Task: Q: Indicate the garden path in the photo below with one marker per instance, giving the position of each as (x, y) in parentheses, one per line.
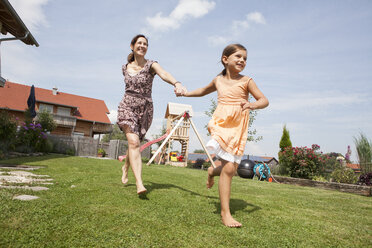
(20, 177)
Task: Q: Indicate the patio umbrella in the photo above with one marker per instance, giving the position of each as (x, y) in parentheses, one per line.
(31, 102)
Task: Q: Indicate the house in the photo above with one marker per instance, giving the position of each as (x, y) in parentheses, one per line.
(354, 167)
(270, 161)
(75, 115)
(11, 23)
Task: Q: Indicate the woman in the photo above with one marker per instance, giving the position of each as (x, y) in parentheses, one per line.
(135, 111)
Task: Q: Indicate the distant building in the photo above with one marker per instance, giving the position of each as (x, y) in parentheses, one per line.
(354, 167)
(270, 161)
(74, 115)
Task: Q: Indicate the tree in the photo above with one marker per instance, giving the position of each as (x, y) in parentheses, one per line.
(116, 134)
(252, 116)
(285, 141)
(284, 157)
(45, 119)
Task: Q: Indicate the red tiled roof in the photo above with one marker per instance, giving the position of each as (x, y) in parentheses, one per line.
(14, 96)
(353, 166)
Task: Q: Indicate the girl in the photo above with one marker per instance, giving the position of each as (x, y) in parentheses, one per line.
(135, 111)
(229, 123)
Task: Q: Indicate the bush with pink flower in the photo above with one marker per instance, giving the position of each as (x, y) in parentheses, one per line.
(303, 162)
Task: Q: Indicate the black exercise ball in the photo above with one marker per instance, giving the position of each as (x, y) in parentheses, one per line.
(245, 168)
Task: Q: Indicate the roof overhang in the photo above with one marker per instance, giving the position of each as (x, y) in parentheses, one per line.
(11, 23)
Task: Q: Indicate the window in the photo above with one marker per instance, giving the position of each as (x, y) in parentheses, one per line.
(46, 107)
(78, 134)
(63, 111)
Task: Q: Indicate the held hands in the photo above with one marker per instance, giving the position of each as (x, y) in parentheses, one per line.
(247, 105)
(179, 89)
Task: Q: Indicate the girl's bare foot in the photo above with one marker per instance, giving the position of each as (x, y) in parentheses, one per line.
(229, 221)
(210, 180)
(124, 177)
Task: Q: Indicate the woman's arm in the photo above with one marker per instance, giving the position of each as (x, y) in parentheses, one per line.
(211, 87)
(167, 77)
(261, 100)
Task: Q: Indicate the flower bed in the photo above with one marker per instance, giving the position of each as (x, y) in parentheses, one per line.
(343, 187)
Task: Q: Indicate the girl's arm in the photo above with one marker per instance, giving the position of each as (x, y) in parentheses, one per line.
(261, 100)
(167, 77)
(211, 87)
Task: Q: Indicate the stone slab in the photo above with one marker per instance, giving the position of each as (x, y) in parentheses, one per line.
(33, 188)
(25, 197)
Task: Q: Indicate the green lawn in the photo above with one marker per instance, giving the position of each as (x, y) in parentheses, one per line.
(178, 211)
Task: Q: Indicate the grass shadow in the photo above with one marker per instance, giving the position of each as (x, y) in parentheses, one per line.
(237, 205)
(154, 186)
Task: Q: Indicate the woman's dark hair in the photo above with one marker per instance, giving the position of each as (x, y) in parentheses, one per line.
(230, 49)
(134, 40)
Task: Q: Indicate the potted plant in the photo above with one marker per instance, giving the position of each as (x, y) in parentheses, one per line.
(101, 152)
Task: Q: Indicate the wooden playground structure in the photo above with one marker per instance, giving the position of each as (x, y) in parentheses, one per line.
(178, 129)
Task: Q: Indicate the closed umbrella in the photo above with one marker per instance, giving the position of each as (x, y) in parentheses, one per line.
(31, 102)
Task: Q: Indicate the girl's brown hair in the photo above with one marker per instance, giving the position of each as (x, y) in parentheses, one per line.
(230, 49)
(130, 57)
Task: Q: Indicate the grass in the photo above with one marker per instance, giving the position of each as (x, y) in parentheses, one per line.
(178, 211)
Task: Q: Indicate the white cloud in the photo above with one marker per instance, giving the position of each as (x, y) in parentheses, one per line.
(236, 29)
(31, 12)
(218, 40)
(184, 10)
(256, 17)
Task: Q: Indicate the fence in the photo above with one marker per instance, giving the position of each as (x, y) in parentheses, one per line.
(119, 147)
(77, 145)
(88, 146)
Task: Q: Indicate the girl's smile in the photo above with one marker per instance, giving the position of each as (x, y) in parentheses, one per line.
(237, 61)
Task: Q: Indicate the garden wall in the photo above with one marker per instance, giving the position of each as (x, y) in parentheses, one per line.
(349, 188)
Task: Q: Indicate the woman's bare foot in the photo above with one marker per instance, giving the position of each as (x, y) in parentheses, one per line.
(229, 221)
(124, 177)
(141, 190)
(210, 180)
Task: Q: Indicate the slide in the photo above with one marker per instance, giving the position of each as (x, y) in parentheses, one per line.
(144, 146)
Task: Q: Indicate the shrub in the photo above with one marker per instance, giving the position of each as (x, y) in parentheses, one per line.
(102, 152)
(70, 152)
(320, 179)
(31, 138)
(8, 130)
(303, 162)
(46, 121)
(145, 160)
(344, 175)
(365, 179)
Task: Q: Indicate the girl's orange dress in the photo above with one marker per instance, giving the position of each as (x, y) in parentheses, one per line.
(229, 124)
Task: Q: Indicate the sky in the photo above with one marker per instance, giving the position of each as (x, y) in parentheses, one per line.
(311, 59)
